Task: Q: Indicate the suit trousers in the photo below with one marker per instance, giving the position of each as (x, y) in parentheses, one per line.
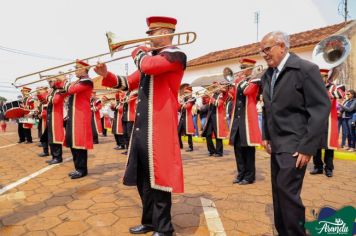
(245, 161)
(287, 181)
(219, 149)
(80, 159)
(44, 140)
(156, 204)
(24, 134)
(120, 141)
(127, 126)
(328, 160)
(102, 125)
(56, 151)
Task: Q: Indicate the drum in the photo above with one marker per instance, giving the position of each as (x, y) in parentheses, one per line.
(27, 120)
(14, 110)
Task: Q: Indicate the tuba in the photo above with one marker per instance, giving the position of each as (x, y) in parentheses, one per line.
(331, 52)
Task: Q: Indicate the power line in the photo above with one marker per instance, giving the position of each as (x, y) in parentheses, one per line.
(32, 54)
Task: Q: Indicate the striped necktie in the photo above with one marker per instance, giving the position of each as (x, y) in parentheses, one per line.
(274, 78)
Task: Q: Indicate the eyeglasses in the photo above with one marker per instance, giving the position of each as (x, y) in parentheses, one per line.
(267, 50)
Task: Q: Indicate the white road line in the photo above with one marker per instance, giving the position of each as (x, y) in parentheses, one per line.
(10, 145)
(31, 176)
(212, 218)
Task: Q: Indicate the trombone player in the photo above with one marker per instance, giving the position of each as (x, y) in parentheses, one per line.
(245, 134)
(154, 159)
(79, 137)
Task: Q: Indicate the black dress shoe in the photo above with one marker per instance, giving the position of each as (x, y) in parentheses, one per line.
(211, 154)
(329, 173)
(117, 148)
(218, 155)
(316, 172)
(77, 175)
(189, 150)
(125, 153)
(27, 142)
(20, 141)
(48, 161)
(71, 173)
(161, 234)
(43, 154)
(236, 180)
(245, 182)
(140, 229)
(54, 161)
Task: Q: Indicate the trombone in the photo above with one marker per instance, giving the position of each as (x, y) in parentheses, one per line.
(182, 39)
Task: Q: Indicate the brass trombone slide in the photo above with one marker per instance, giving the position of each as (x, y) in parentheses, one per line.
(114, 47)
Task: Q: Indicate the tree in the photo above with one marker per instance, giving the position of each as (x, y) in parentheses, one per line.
(2, 99)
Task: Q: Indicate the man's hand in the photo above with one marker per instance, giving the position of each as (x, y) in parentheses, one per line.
(302, 160)
(101, 69)
(267, 145)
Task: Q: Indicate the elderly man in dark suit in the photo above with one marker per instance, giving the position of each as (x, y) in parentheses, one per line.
(295, 114)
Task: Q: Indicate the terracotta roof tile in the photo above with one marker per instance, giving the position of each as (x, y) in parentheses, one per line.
(305, 38)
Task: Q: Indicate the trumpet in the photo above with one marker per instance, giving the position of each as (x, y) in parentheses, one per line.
(189, 38)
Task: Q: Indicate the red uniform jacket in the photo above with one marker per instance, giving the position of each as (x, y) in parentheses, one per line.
(78, 129)
(42, 98)
(96, 107)
(55, 117)
(28, 104)
(117, 122)
(247, 121)
(217, 105)
(155, 131)
(130, 106)
(335, 92)
(186, 110)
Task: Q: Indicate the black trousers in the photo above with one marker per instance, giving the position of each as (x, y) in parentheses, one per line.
(102, 125)
(287, 181)
(95, 138)
(127, 126)
(328, 160)
(120, 141)
(56, 151)
(156, 204)
(44, 140)
(190, 141)
(24, 134)
(245, 161)
(80, 159)
(219, 149)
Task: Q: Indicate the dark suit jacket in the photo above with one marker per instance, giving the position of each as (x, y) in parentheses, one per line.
(296, 116)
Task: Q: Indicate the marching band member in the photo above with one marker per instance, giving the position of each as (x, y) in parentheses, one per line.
(117, 128)
(105, 118)
(245, 133)
(79, 136)
(216, 121)
(24, 129)
(186, 125)
(154, 160)
(96, 106)
(331, 136)
(128, 116)
(2, 118)
(55, 123)
(42, 94)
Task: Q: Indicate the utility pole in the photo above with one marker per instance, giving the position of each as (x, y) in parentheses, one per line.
(342, 9)
(257, 21)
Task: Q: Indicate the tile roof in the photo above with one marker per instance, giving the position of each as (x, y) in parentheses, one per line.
(305, 38)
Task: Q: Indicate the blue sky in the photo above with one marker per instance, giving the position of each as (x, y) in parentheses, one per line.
(70, 29)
